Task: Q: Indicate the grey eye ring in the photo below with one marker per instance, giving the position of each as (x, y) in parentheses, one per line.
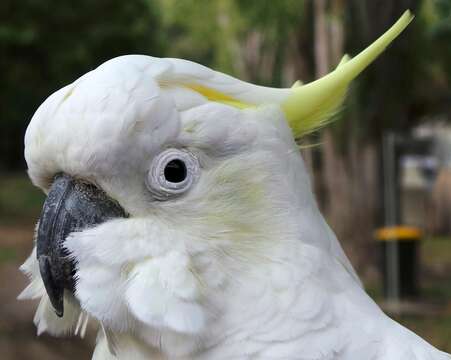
(172, 173)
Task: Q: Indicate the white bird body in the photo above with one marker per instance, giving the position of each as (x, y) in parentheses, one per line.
(242, 266)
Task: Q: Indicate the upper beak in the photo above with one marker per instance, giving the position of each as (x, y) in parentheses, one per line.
(71, 205)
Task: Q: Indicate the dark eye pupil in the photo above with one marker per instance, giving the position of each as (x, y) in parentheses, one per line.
(175, 171)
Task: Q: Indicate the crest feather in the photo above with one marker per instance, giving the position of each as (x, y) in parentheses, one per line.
(307, 107)
(310, 106)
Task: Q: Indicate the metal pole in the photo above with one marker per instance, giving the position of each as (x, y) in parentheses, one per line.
(391, 203)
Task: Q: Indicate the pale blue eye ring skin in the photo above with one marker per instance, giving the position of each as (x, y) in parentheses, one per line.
(156, 181)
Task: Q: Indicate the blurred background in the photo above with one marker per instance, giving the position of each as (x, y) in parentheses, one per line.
(382, 173)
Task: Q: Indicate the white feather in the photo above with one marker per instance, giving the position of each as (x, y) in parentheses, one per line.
(242, 266)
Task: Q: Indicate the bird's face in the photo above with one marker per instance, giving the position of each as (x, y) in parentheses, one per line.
(152, 209)
(171, 190)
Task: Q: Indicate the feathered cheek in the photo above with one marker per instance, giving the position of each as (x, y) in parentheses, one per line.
(164, 292)
(122, 285)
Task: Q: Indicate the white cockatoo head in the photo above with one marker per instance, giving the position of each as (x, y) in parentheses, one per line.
(179, 212)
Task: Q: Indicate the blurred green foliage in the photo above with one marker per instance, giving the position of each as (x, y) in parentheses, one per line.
(433, 249)
(46, 44)
(410, 82)
(20, 201)
(437, 15)
(221, 38)
(8, 254)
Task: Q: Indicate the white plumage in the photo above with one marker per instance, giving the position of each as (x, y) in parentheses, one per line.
(242, 266)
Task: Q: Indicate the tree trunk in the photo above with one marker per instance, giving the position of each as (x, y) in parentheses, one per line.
(348, 178)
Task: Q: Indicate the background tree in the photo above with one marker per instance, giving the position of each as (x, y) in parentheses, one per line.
(45, 45)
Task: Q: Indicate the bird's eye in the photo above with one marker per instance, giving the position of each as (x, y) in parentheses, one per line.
(175, 171)
(171, 173)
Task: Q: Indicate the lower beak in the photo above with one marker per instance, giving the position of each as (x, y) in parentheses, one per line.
(71, 206)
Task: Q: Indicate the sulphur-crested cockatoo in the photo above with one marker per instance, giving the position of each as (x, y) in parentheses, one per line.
(180, 218)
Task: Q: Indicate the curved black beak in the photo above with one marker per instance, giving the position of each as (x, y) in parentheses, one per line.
(71, 205)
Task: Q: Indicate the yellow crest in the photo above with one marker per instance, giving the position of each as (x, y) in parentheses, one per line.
(307, 107)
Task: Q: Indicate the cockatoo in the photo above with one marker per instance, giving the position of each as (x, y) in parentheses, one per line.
(180, 218)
